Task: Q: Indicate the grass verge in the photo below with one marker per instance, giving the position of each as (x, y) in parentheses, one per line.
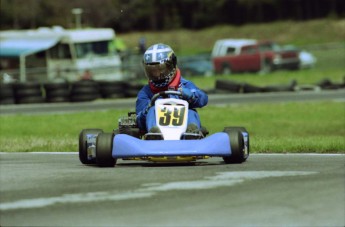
(285, 127)
(188, 42)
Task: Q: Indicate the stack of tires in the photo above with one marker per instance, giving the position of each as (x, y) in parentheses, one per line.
(84, 90)
(132, 89)
(28, 92)
(112, 89)
(57, 92)
(7, 94)
(227, 86)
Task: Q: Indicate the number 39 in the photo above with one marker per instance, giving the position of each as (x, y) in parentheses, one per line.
(172, 116)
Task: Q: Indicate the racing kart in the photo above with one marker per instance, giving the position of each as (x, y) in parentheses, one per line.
(172, 144)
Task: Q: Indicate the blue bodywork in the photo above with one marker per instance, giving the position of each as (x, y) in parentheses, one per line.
(125, 146)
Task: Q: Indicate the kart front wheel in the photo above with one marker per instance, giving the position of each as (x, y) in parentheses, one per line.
(83, 157)
(237, 147)
(104, 147)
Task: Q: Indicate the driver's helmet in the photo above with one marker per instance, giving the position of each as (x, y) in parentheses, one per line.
(159, 64)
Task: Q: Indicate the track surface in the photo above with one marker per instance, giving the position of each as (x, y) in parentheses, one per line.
(54, 189)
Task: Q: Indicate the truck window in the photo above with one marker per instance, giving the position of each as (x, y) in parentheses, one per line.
(60, 51)
(249, 50)
(98, 48)
(230, 50)
(269, 47)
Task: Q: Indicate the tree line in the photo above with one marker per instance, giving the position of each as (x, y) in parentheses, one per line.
(154, 15)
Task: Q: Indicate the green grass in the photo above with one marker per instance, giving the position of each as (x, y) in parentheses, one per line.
(330, 61)
(186, 42)
(286, 127)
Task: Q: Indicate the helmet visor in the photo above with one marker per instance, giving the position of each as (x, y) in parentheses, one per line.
(157, 72)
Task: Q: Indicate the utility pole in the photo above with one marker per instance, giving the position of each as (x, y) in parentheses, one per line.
(77, 13)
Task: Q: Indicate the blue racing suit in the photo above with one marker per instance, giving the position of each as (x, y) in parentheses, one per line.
(146, 117)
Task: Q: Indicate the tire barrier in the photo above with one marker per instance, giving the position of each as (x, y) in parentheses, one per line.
(7, 94)
(84, 90)
(132, 89)
(57, 92)
(89, 90)
(281, 87)
(228, 86)
(112, 89)
(27, 93)
(327, 84)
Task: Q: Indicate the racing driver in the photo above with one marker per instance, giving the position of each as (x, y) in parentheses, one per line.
(160, 66)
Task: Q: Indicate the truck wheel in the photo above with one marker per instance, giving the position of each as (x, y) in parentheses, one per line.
(104, 147)
(266, 67)
(237, 146)
(83, 146)
(226, 69)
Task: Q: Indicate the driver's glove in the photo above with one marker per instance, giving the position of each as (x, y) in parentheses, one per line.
(146, 110)
(187, 94)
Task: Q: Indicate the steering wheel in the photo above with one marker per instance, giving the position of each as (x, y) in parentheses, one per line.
(163, 93)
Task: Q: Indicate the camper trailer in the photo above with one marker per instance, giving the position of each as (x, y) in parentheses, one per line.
(47, 54)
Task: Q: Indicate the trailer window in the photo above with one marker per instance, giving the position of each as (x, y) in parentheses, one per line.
(98, 48)
(60, 51)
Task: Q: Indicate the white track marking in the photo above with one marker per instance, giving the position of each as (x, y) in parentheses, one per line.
(221, 179)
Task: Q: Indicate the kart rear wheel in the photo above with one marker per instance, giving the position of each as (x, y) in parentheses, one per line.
(237, 146)
(104, 147)
(83, 145)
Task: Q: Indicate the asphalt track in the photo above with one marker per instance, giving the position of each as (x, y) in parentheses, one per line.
(55, 189)
(214, 99)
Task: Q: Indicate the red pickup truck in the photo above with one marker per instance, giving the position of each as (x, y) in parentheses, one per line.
(248, 55)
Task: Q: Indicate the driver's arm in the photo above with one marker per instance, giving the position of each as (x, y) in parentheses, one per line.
(142, 104)
(200, 98)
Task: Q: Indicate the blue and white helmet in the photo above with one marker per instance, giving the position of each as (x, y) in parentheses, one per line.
(159, 62)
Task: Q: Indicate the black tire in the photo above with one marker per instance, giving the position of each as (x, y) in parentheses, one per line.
(229, 86)
(111, 86)
(85, 83)
(27, 93)
(56, 86)
(6, 91)
(7, 101)
(248, 88)
(30, 100)
(32, 92)
(57, 93)
(104, 147)
(27, 85)
(132, 89)
(84, 97)
(242, 130)
(83, 146)
(281, 88)
(57, 99)
(237, 146)
(86, 90)
(112, 89)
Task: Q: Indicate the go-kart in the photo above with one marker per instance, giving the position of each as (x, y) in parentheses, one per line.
(171, 144)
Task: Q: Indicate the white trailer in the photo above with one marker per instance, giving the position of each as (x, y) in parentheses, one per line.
(67, 53)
